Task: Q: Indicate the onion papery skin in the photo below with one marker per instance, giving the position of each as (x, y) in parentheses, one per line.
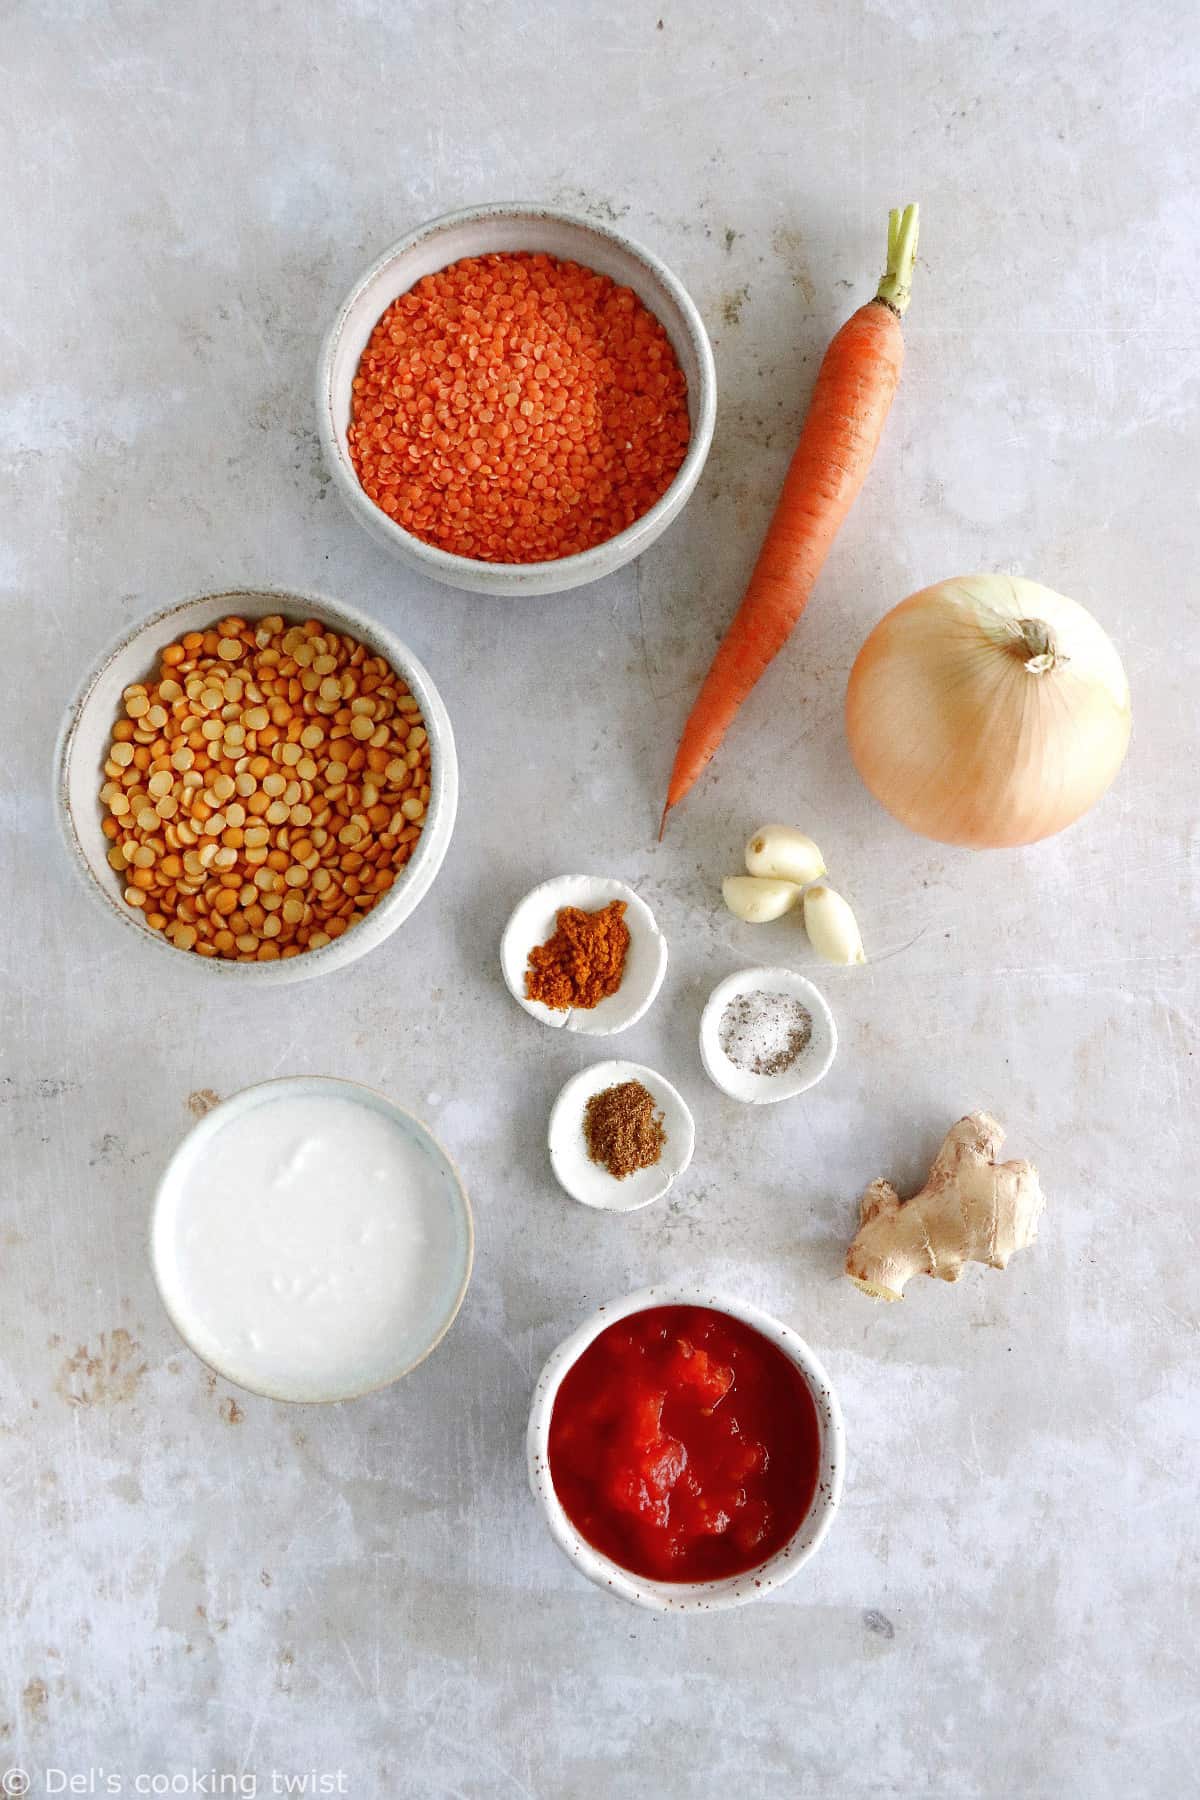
(964, 743)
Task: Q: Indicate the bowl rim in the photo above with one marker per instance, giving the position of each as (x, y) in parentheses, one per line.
(583, 565)
(241, 1101)
(432, 844)
(731, 1590)
(726, 988)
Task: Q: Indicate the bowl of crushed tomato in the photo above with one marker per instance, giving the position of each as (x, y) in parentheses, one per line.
(686, 1450)
(516, 400)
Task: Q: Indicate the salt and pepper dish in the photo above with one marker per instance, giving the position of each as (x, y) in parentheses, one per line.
(811, 1061)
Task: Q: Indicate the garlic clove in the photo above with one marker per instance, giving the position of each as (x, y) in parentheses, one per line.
(778, 851)
(757, 901)
(831, 927)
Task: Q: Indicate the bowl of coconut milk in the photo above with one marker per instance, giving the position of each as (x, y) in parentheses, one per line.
(311, 1240)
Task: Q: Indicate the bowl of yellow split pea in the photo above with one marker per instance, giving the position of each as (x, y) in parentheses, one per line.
(259, 783)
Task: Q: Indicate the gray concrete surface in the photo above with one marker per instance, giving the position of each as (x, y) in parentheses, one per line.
(192, 1579)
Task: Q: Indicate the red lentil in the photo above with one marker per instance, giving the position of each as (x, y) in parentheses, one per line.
(514, 408)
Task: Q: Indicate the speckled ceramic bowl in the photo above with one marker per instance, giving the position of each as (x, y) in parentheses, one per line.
(681, 1596)
(86, 732)
(479, 231)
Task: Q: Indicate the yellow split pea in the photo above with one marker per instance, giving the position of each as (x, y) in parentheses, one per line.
(266, 790)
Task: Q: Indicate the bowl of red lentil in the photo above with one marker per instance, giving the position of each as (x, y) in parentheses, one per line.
(516, 400)
(265, 780)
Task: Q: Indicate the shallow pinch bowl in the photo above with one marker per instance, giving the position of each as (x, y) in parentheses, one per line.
(689, 1596)
(480, 231)
(86, 730)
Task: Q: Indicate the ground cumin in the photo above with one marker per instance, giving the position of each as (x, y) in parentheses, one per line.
(583, 962)
(623, 1129)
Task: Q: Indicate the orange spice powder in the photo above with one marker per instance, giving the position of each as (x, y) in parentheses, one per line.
(514, 408)
(583, 962)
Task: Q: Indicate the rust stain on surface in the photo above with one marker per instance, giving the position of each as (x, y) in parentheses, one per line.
(202, 1101)
(788, 246)
(34, 1697)
(732, 304)
(105, 1376)
(230, 1411)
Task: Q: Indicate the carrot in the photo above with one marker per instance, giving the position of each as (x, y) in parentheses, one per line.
(850, 404)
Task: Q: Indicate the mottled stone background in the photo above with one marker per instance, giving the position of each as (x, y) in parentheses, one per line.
(194, 1578)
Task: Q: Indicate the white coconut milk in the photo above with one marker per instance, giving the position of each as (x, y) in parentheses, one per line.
(311, 1246)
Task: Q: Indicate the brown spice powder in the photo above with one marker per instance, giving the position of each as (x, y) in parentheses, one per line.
(623, 1129)
(583, 962)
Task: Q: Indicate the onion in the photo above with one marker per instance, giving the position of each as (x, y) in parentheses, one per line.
(987, 711)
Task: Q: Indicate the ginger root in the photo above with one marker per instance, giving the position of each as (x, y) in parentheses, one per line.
(971, 1209)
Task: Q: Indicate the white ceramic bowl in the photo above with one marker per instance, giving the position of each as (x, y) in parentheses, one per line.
(532, 922)
(480, 231)
(86, 732)
(814, 1061)
(413, 1340)
(698, 1596)
(590, 1183)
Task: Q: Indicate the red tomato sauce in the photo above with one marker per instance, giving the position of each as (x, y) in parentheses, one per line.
(684, 1445)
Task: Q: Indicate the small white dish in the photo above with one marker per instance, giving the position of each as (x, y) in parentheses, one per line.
(533, 923)
(483, 231)
(342, 1311)
(688, 1596)
(590, 1182)
(814, 1061)
(83, 744)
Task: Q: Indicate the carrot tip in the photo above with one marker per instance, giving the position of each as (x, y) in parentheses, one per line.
(663, 826)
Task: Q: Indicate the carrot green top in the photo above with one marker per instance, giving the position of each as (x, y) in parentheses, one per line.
(895, 290)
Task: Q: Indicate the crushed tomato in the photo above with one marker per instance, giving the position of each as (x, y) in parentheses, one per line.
(684, 1445)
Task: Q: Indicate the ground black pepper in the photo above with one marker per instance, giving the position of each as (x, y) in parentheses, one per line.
(623, 1129)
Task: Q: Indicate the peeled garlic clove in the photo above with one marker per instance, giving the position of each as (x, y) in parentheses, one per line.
(758, 901)
(777, 850)
(831, 927)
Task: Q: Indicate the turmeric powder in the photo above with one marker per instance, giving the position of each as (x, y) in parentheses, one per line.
(583, 962)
